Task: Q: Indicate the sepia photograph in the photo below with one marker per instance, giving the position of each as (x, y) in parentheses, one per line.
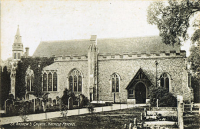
(102, 64)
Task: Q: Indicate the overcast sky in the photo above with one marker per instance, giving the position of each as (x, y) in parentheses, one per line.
(66, 20)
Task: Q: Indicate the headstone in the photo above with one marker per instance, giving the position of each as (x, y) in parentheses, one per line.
(81, 101)
(9, 104)
(49, 102)
(180, 111)
(33, 105)
(145, 112)
(70, 103)
(124, 126)
(130, 126)
(135, 122)
(37, 104)
(54, 102)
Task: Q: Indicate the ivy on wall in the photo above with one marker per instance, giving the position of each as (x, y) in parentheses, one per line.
(36, 64)
(4, 85)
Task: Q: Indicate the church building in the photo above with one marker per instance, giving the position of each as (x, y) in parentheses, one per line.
(113, 69)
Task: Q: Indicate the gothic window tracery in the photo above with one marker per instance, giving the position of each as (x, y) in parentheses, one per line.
(115, 82)
(29, 79)
(55, 81)
(75, 81)
(49, 81)
(164, 81)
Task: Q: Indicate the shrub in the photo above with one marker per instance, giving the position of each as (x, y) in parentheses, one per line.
(85, 101)
(165, 99)
(66, 96)
(90, 108)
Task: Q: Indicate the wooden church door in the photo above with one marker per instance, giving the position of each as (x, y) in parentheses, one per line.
(140, 93)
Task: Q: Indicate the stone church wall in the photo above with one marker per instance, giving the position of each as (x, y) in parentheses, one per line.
(63, 69)
(127, 68)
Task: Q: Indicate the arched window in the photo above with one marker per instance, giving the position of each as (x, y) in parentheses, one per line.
(19, 56)
(164, 81)
(15, 55)
(49, 82)
(44, 82)
(29, 79)
(75, 81)
(115, 82)
(54, 81)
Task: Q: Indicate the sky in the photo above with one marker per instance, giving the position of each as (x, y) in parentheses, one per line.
(66, 20)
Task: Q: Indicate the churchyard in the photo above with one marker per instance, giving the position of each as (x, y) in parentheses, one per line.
(78, 112)
(143, 116)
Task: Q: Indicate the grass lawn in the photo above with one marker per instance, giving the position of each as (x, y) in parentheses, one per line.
(111, 119)
(103, 120)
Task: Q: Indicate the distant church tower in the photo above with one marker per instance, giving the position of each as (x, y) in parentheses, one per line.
(92, 68)
(17, 47)
(17, 52)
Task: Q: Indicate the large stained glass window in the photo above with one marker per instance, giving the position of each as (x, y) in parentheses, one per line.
(44, 82)
(49, 82)
(55, 81)
(29, 79)
(164, 81)
(115, 82)
(75, 81)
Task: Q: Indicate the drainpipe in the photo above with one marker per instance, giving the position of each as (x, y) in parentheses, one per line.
(156, 71)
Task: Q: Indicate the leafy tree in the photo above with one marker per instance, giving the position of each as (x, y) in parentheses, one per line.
(165, 98)
(36, 64)
(5, 85)
(195, 85)
(172, 18)
(66, 95)
(194, 58)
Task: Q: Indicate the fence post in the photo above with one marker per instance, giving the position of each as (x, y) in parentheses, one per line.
(33, 105)
(191, 106)
(157, 103)
(199, 109)
(180, 111)
(130, 126)
(5, 106)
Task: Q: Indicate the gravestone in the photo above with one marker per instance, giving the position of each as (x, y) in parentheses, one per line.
(37, 104)
(70, 103)
(9, 104)
(135, 123)
(49, 102)
(81, 103)
(130, 126)
(59, 103)
(180, 111)
(54, 102)
(33, 101)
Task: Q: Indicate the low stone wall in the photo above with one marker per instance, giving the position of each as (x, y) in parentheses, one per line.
(164, 109)
(163, 113)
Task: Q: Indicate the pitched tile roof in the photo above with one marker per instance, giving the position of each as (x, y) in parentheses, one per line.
(111, 45)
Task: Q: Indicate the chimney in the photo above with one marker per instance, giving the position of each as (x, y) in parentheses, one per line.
(93, 39)
(27, 51)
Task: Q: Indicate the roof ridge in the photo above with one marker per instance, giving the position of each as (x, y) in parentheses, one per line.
(100, 38)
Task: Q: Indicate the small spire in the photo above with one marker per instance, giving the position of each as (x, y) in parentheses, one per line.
(17, 36)
(17, 33)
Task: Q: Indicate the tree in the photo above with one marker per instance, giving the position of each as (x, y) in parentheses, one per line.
(165, 98)
(172, 19)
(194, 58)
(66, 95)
(5, 85)
(36, 64)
